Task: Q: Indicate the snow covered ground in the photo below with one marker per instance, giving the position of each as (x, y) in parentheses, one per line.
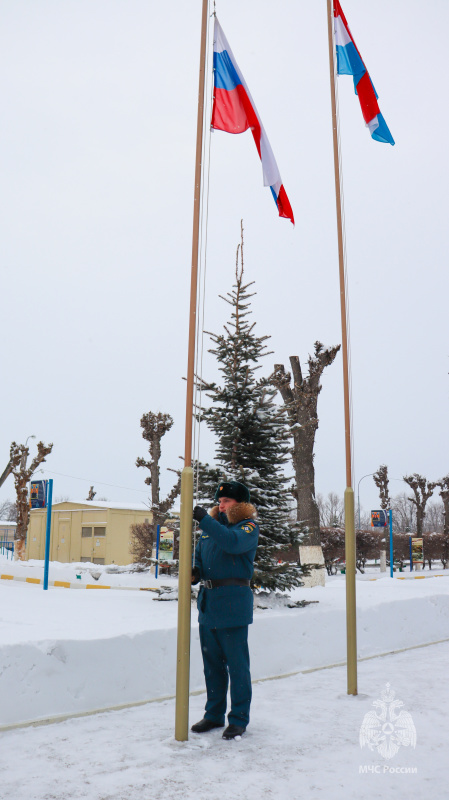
(303, 742)
(66, 652)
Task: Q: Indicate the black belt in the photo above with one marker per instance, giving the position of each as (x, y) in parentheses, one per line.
(225, 582)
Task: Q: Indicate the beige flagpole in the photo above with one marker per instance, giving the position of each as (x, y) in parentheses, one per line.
(351, 619)
(185, 536)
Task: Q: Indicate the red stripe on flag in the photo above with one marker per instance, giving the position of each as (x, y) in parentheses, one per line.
(367, 98)
(284, 207)
(233, 113)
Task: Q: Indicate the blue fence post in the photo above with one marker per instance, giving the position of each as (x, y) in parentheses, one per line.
(391, 543)
(411, 554)
(47, 535)
(158, 535)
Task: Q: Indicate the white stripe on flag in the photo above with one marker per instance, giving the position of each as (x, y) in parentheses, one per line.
(342, 36)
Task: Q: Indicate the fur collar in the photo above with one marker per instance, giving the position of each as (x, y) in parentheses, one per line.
(236, 513)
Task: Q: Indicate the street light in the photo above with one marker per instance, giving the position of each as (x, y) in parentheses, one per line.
(368, 475)
(24, 457)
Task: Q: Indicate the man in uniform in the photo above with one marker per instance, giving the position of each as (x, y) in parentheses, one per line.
(224, 559)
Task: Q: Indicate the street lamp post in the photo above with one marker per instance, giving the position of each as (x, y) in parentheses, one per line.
(24, 457)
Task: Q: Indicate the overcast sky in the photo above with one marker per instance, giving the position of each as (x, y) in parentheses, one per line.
(97, 163)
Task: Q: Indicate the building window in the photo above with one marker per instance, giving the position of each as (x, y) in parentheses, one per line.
(85, 558)
(99, 531)
(86, 532)
(98, 560)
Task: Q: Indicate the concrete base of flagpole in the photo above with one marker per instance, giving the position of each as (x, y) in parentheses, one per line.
(184, 605)
(351, 615)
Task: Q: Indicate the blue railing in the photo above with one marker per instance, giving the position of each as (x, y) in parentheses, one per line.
(7, 547)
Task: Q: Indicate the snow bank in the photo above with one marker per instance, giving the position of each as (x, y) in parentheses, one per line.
(66, 652)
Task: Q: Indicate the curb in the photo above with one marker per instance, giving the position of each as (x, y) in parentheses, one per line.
(412, 577)
(68, 585)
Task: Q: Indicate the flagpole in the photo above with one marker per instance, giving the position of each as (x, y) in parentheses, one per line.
(350, 552)
(185, 535)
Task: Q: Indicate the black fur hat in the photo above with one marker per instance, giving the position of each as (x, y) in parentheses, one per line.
(234, 490)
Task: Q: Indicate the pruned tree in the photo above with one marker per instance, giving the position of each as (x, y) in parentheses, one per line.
(154, 427)
(15, 457)
(91, 494)
(301, 403)
(22, 476)
(443, 483)
(422, 491)
(380, 478)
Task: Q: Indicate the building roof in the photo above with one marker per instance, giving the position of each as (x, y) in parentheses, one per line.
(93, 504)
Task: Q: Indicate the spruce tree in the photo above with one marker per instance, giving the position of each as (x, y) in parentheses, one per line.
(252, 435)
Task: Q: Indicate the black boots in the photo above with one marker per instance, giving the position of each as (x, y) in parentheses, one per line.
(205, 725)
(232, 731)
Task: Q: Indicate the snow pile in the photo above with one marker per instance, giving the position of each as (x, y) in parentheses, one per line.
(65, 652)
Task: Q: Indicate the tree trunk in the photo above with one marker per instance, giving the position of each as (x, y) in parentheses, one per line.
(307, 511)
(301, 403)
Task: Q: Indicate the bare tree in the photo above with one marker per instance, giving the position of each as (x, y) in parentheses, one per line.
(422, 490)
(332, 510)
(434, 517)
(301, 402)
(22, 477)
(8, 511)
(91, 494)
(404, 514)
(154, 427)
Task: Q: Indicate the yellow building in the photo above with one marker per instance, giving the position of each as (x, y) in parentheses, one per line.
(86, 531)
(7, 531)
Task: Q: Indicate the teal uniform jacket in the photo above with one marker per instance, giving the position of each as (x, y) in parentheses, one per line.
(226, 549)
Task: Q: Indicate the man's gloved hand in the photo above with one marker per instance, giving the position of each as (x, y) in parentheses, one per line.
(195, 575)
(198, 513)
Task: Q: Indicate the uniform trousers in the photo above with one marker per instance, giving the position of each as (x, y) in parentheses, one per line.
(226, 657)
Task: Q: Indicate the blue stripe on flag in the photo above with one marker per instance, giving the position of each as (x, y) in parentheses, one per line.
(349, 62)
(274, 195)
(382, 132)
(225, 76)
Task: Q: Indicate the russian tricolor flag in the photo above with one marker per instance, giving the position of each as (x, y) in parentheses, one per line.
(350, 62)
(234, 112)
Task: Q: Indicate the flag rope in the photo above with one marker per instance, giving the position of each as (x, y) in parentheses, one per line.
(345, 262)
(202, 276)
